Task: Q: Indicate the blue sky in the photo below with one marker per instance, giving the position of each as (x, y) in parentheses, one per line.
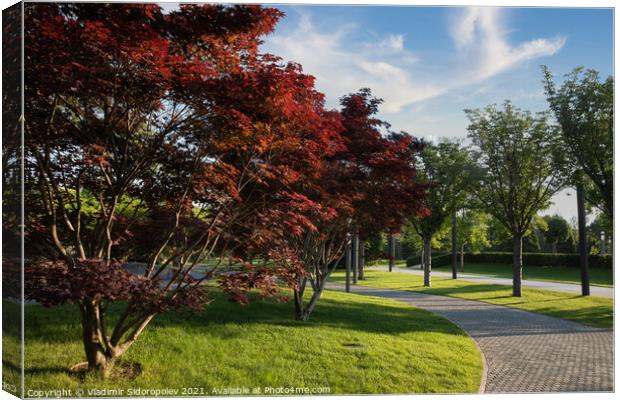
(431, 63)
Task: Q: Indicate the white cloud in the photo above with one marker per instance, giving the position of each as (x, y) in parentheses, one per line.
(480, 38)
(394, 42)
(342, 65)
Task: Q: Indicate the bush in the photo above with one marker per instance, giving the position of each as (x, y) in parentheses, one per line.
(413, 260)
(540, 259)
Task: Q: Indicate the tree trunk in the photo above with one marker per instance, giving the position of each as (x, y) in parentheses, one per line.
(583, 244)
(462, 258)
(97, 356)
(517, 264)
(422, 255)
(391, 251)
(299, 303)
(361, 260)
(313, 302)
(303, 310)
(554, 247)
(427, 261)
(347, 262)
(355, 257)
(454, 244)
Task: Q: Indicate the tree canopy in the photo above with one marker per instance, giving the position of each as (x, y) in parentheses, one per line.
(444, 167)
(169, 138)
(520, 166)
(584, 108)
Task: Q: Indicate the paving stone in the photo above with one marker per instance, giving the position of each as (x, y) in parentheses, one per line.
(524, 351)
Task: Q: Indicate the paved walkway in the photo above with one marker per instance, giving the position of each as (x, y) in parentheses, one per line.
(524, 351)
(558, 287)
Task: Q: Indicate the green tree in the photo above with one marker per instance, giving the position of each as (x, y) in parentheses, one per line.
(519, 159)
(533, 239)
(442, 168)
(584, 108)
(558, 231)
(411, 239)
(600, 230)
(472, 231)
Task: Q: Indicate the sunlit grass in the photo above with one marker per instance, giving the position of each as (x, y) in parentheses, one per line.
(352, 344)
(598, 277)
(590, 310)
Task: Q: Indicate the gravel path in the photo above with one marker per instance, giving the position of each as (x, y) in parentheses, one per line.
(524, 351)
(556, 286)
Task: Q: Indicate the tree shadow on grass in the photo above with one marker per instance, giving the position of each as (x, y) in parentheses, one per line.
(365, 316)
(60, 325)
(33, 370)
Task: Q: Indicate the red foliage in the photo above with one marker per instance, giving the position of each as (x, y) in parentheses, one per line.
(225, 152)
(55, 282)
(381, 173)
(124, 101)
(263, 279)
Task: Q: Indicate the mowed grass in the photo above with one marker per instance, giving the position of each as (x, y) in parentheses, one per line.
(352, 344)
(590, 310)
(598, 277)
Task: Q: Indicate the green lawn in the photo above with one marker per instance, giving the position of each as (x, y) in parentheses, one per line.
(352, 344)
(598, 277)
(596, 311)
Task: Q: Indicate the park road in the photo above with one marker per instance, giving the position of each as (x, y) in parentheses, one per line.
(555, 286)
(524, 351)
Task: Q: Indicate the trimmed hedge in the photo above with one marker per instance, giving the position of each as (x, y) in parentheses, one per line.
(413, 260)
(541, 259)
(439, 260)
(529, 259)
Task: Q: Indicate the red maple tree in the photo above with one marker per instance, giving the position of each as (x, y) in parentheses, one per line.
(168, 138)
(142, 134)
(367, 184)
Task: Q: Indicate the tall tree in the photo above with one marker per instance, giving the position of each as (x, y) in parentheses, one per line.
(519, 169)
(584, 108)
(168, 130)
(443, 168)
(459, 169)
(369, 184)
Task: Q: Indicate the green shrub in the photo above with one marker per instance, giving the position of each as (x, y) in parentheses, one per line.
(540, 259)
(413, 260)
(441, 260)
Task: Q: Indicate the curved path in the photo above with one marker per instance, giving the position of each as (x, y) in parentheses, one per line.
(524, 351)
(556, 286)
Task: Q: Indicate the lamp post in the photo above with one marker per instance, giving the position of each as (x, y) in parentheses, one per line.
(583, 246)
(361, 260)
(347, 263)
(454, 244)
(355, 247)
(391, 251)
